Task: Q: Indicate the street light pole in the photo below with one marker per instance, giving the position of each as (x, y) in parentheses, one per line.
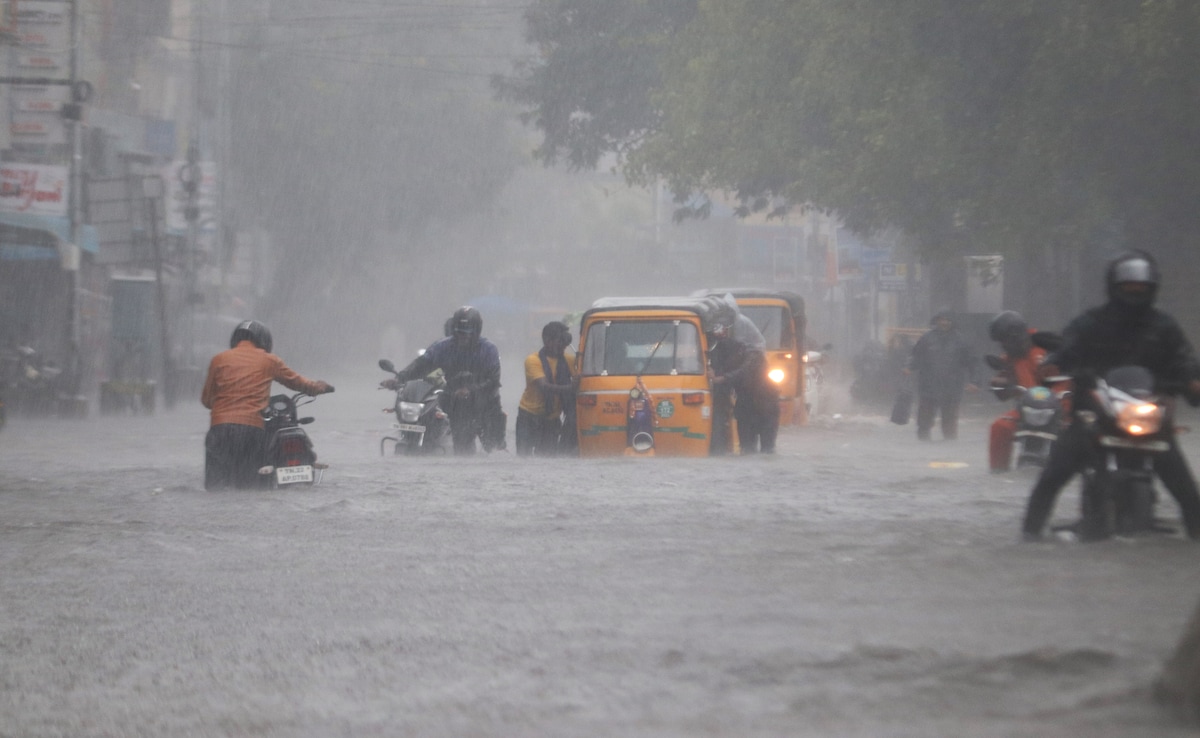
(74, 201)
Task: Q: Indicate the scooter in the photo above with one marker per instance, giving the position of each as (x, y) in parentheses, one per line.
(290, 458)
(421, 424)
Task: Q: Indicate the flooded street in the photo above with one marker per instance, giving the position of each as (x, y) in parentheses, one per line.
(857, 584)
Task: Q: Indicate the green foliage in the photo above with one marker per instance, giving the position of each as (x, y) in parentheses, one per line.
(587, 88)
(1002, 124)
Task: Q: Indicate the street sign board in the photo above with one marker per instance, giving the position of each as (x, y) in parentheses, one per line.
(893, 276)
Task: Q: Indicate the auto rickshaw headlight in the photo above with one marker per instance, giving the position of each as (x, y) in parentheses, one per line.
(776, 375)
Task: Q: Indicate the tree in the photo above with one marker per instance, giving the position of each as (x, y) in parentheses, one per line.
(587, 87)
(1007, 124)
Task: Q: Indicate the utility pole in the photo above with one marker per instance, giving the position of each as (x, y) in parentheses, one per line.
(192, 183)
(74, 119)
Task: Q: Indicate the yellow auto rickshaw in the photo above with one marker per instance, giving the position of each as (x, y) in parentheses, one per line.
(780, 318)
(643, 381)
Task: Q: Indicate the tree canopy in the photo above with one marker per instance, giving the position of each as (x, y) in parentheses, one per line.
(1004, 123)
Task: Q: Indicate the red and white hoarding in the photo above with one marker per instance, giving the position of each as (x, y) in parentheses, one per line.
(38, 189)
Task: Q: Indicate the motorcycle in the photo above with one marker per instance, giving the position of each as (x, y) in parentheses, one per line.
(290, 458)
(1039, 421)
(31, 381)
(1040, 415)
(421, 424)
(1129, 428)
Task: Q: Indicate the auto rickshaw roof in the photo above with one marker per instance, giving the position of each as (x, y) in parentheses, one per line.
(705, 307)
(794, 300)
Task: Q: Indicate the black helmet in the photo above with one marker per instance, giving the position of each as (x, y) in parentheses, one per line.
(468, 321)
(555, 330)
(1007, 324)
(254, 332)
(1132, 279)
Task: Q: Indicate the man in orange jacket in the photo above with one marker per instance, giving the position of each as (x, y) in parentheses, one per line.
(1011, 331)
(236, 390)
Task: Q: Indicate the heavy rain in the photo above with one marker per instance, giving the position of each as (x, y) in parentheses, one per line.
(353, 173)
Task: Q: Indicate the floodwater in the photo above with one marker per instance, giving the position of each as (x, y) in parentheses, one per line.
(859, 583)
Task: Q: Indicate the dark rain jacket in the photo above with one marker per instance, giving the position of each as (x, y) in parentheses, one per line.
(744, 366)
(943, 363)
(480, 357)
(1113, 335)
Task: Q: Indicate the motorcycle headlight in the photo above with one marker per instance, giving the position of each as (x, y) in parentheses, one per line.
(1140, 418)
(776, 376)
(1037, 416)
(410, 411)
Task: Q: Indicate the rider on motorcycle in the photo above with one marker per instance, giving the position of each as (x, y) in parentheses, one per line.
(1125, 330)
(236, 390)
(1022, 360)
(471, 364)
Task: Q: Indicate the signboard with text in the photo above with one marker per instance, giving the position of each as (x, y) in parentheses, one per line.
(37, 189)
(893, 277)
(43, 29)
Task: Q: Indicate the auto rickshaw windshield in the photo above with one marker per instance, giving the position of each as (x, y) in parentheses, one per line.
(774, 323)
(642, 348)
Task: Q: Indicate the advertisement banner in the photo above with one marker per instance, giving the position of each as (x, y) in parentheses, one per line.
(37, 189)
(43, 29)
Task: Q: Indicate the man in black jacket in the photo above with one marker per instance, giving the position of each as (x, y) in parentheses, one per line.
(471, 364)
(1125, 330)
(944, 365)
(741, 366)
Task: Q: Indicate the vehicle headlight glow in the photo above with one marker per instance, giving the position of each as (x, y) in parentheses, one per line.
(1037, 416)
(776, 375)
(1140, 418)
(410, 411)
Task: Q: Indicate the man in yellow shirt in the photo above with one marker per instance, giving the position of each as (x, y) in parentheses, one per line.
(549, 389)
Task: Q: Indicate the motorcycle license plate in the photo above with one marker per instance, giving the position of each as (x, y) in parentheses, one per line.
(293, 474)
(410, 428)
